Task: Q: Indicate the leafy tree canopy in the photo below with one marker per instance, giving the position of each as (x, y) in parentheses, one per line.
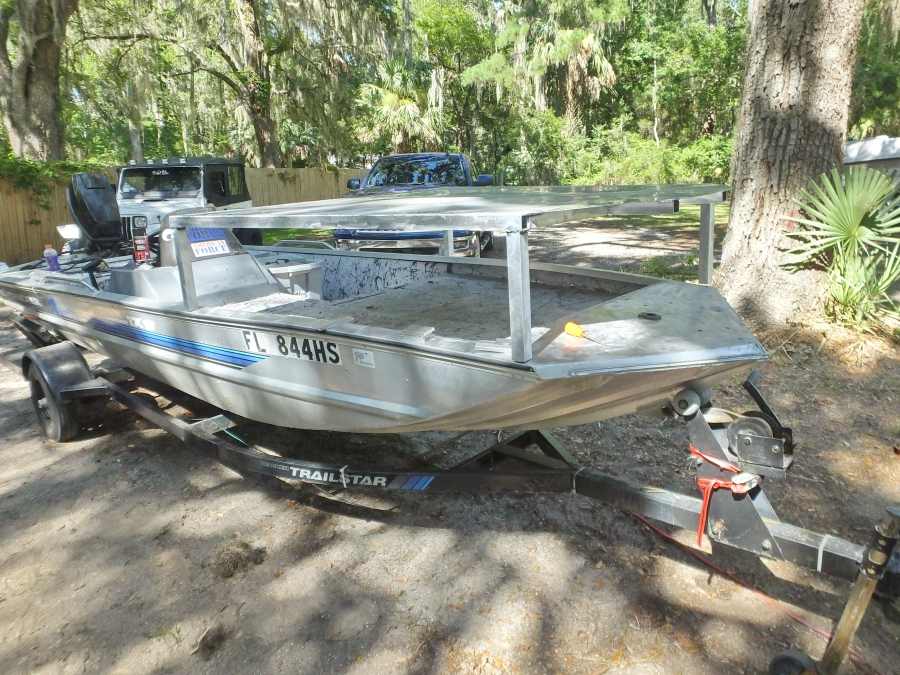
(534, 90)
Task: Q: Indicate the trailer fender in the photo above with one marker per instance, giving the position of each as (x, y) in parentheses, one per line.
(52, 372)
(62, 366)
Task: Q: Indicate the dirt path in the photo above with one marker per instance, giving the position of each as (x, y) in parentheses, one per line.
(655, 245)
(126, 552)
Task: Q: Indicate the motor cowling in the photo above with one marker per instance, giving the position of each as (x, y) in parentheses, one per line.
(92, 202)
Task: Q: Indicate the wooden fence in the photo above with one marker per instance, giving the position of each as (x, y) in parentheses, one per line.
(26, 225)
(283, 186)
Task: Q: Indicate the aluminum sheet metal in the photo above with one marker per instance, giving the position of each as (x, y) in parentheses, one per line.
(495, 209)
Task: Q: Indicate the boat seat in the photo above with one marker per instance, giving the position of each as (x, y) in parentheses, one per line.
(157, 283)
(231, 278)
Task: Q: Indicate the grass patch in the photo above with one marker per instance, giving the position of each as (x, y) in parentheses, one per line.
(677, 268)
(687, 217)
(683, 268)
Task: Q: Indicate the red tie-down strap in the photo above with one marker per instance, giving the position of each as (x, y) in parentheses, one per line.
(742, 483)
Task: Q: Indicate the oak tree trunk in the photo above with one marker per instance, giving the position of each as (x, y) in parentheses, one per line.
(791, 128)
(257, 84)
(266, 133)
(29, 81)
(709, 11)
(135, 140)
(135, 123)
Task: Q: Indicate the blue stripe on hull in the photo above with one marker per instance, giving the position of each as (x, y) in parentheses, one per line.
(223, 355)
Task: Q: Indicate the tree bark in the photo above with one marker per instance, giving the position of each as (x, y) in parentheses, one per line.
(29, 83)
(266, 133)
(257, 85)
(135, 140)
(189, 114)
(709, 11)
(135, 127)
(791, 128)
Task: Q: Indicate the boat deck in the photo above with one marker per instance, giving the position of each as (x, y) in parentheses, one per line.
(450, 305)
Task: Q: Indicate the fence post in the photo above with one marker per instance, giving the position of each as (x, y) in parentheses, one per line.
(707, 241)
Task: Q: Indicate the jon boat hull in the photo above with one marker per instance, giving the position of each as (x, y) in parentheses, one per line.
(375, 387)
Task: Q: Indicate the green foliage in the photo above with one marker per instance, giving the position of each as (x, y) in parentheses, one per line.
(682, 268)
(874, 105)
(614, 156)
(452, 36)
(694, 70)
(538, 145)
(40, 177)
(850, 228)
(859, 289)
(849, 215)
(698, 77)
(540, 91)
(543, 148)
(550, 54)
(396, 110)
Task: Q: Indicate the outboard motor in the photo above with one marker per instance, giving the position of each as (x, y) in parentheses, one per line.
(92, 202)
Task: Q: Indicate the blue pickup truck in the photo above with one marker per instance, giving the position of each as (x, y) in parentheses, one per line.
(404, 173)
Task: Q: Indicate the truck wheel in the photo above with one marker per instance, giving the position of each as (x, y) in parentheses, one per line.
(58, 420)
(486, 240)
(792, 663)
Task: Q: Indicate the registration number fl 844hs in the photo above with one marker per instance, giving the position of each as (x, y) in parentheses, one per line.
(303, 348)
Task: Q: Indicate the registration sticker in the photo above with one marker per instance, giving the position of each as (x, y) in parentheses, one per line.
(202, 249)
(293, 346)
(364, 358)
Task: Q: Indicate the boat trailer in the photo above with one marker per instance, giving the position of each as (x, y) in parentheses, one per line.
(734, 454)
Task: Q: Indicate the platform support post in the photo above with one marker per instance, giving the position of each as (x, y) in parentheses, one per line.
(519, 282)
(877, 556)
(185, 269)
(447, 243)
(707, 241)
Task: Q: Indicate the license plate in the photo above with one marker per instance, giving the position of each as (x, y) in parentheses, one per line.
(293, 346)
(204, 248)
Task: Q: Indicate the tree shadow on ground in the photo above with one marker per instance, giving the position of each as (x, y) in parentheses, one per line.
(109, 550)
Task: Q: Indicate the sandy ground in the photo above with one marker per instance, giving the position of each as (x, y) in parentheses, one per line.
(128, 552)
(620, 243)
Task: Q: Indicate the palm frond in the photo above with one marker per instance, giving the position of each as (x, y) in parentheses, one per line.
(849, 224)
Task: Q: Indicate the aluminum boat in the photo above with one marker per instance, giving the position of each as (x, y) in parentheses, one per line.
(315, 338)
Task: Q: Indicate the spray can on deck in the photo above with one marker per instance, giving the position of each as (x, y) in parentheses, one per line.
(51, 256)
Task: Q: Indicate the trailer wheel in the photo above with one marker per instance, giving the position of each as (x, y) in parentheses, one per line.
(58, 420)
(792, 662)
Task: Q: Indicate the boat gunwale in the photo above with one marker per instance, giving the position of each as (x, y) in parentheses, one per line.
(325, 326)
(402, 342)
(431, 351)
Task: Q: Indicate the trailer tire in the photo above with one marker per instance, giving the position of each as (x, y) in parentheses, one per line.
(58, 420)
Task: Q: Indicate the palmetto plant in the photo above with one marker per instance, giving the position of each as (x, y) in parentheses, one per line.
(859, 289)
(850, 225)
(847, 213)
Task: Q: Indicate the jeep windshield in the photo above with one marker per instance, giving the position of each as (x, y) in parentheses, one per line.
(162, 182)
(425, 170)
